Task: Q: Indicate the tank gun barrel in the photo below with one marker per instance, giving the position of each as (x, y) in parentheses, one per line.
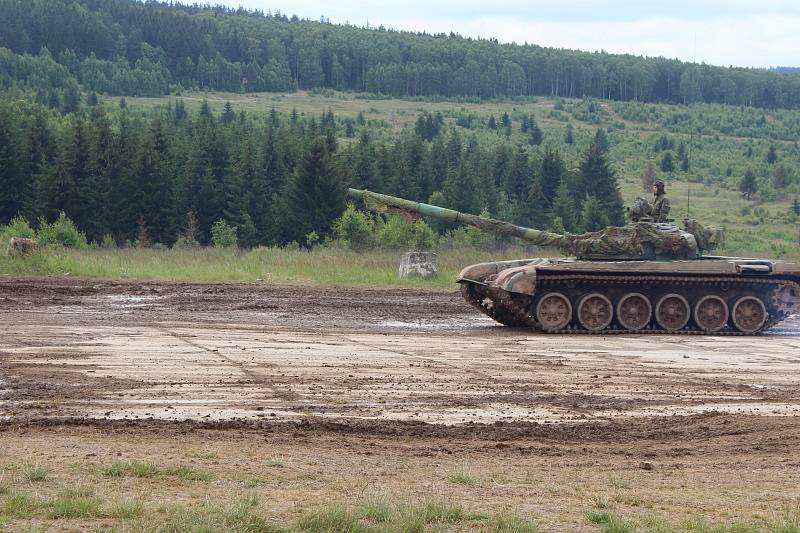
(382, 203)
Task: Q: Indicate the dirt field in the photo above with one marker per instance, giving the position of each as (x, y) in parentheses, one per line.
(404, 396)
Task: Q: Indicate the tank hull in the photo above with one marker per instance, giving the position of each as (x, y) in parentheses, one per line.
(712, 295)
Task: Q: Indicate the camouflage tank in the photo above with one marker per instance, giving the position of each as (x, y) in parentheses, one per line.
(644, 277)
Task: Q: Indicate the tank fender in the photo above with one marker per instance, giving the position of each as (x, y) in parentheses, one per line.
(521, 280)
(482, 271)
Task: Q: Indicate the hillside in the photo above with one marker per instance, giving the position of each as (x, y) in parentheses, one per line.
(128, 47)
(273, 165)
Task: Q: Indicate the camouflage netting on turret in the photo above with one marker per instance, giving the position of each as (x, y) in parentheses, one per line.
(707, 238)
(634, 241)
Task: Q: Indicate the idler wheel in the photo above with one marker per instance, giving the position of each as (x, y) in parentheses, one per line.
(634, 311)
(672, 312)
(595, 311)
(749, 314)
(553, 311)
(711, 313)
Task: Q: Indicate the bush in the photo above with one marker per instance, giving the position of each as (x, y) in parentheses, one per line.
(62, 232)
(18, 227)
(223, 235)
(355, 229)
(395, 233)
(108, 241)
(424, 237)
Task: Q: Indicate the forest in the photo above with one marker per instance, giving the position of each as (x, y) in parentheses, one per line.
(125, 47)
(167, 174)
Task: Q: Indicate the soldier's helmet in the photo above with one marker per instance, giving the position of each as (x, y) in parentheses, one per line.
(659, 184)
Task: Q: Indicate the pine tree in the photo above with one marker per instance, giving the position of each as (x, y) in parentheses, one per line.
(779, 177)
(685, 163)
(228, 114)
(37, 155)
(520, 176)
(492, 124)
(748, 186)
(155, 197)
(601, 140)
(101, 166)
(593, 216)
(564, 207)
(237, 183)
(796, 205)
(597, 179)
(569, 136)
(124, 185)
(667, 163)
(535, 136)
(552, 171)
(771, 156)
(315, 196)
(204, 171)
(12, 193)
(84, 197)
(459, 189)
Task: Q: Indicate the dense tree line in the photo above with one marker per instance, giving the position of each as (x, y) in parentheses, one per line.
(167, 174)
(134, 48)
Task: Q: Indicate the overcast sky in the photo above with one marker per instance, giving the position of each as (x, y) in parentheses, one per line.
(757, 33)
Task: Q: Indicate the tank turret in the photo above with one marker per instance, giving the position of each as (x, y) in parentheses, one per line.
(635, 241)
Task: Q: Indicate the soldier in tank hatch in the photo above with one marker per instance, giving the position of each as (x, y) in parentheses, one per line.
(659, 211)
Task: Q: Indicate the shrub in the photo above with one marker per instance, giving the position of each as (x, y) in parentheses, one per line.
(355, 229)
(424, 237)
(108, 241)
(62, 232)
(223, 235)
(18, 227)
(395, 233)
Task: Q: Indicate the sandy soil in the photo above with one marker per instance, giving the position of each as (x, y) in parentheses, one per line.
(404, 377)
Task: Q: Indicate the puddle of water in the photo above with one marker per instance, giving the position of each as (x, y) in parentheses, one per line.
(438, 326)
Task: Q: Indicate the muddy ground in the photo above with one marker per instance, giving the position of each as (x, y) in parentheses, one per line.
(379, 384)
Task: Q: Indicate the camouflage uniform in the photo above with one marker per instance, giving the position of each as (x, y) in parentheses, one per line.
(660, 208)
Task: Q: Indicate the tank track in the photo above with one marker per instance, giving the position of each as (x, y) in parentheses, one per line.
(780, 297)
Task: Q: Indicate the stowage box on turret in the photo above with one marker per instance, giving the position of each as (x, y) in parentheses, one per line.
(643, 277)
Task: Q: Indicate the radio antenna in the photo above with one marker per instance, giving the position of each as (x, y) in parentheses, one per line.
(688, 152)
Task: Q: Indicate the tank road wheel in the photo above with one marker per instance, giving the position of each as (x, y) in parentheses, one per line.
(711, 313)
(672, 312)
(553, 311)
(634, 311)
(595, 311)
(749, 314)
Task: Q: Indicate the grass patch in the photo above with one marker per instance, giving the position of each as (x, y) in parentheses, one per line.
(35, 473)
(378, 511)
(609, 522)
(238, 517)
(126, 508)
(331, 519)
(441, 513)
(323, 266)
(130, 469)
(149, 470)
(462, 477)
(506, 523)
(73, 507)
(19, 506)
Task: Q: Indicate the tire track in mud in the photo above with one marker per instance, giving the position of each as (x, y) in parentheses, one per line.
(427, 359)
(252, 377)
